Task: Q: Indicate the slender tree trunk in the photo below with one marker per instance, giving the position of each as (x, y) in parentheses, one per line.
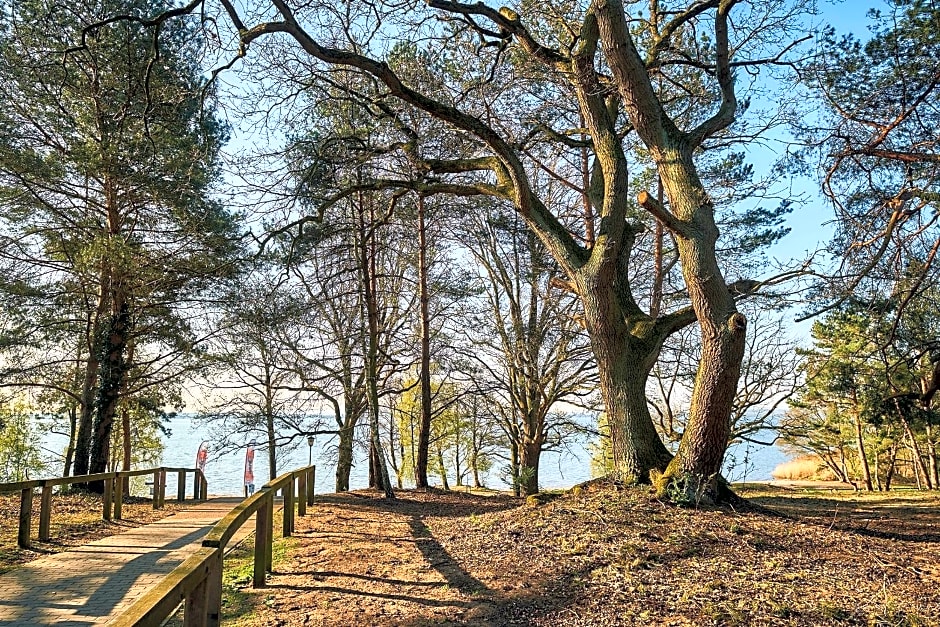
(916, 466)
(70, 449)
(345, 457)
(845, 470)
(889, 475)
(934, 468)
(442, 469)
(458, 462)
(74, 407)
(862, 455)
(127, 448)
(476, 474)
(424, 425)
(367, 260)
(392, 454)
(269, 425)
(919, 464)
(272, 446)
(514, 466)
(932, 457)
(877, 471)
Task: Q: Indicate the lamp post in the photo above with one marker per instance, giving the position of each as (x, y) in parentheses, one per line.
(310, 450)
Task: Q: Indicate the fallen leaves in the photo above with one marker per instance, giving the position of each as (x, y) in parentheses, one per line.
(607, 557)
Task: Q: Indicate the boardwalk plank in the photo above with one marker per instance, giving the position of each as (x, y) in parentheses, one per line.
(92, 584)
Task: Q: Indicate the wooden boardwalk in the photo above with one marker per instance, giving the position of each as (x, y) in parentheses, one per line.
(92, 584)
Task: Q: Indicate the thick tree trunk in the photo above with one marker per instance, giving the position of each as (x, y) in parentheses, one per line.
(624, 358)
(529, 467)
(376, 480)
(424, 425)
(86, 414)
(83, 437)
(694, 474)
(110, 383)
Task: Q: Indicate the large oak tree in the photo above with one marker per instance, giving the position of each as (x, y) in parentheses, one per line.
(649, 81)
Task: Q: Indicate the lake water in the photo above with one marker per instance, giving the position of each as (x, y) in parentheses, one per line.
(559, 469)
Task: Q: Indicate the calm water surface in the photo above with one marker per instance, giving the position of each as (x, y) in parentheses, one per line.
(559, 469)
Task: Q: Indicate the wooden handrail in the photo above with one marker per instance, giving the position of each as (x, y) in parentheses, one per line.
(223, 530)
(19, 486)
(112, 497)
(198, 580)
(156, 604)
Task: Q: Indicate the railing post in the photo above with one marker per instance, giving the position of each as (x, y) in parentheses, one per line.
(156, 488)
(293, 501)
(196, 604)
(214, 591)
(26, 514)
(181, 486)
(45, 513)
(204, 489)
(269, 537)
(302, 493)
(311, 484)
(288, 492)
(162, 487)
(106, 498)
(119, 495)
(262, 532)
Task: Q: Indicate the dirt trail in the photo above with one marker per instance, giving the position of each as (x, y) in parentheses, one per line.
(363, 561)
(605, 558)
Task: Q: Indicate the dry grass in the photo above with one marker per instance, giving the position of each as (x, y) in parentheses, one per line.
(76, 520)
(608, 556)
(803, 468)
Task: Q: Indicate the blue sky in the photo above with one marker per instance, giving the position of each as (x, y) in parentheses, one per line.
(810, 230)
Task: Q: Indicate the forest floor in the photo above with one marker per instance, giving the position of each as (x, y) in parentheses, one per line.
(75, 520)
(603, 556)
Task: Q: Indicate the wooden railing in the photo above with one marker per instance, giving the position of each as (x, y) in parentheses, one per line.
(111, 501)
(197, 582)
